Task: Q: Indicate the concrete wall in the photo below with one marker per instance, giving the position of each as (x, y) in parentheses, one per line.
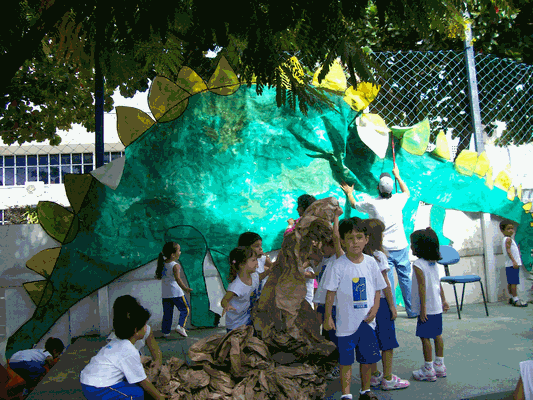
(92, 315)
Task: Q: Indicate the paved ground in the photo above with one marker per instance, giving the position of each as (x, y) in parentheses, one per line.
(481, 355)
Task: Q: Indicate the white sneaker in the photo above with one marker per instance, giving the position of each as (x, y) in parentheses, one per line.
(394, 383)
(425, 374)
(166, 335)
(375, 381)
(440, 370)
(181, 331)
(335, 373)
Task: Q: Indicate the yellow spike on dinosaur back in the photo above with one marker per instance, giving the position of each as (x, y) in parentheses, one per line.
(57, 221)
(503, 180)
(77, 186)
(191, 81)
(40, 291)
(44, 262)
(335, 79)
(223, 81)
(167, 100)
(442, 149)
(482, 165)
(465, 163)
(132, 123)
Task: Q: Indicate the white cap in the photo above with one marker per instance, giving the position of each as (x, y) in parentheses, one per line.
(385, 183)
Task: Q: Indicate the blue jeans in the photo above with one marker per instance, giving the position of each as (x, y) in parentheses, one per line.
(399, 259)
(121, 391)
(182, 305)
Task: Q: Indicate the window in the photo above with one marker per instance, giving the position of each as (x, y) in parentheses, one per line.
(54, 174)
(43, 159)
(32, 174)
(32, 160)
(9, 161)
(54, 159)
(43, 175)
(115, 155)
(21, 176)
(21, 161)
(65, 159)
(1, 176)
(87, 158)
(9, 176)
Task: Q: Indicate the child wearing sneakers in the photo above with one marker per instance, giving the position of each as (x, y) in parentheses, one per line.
(385, 329)
(428, 302)
(512, 262)
(355, 281)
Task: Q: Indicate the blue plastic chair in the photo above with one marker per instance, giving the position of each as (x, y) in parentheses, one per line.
(450, 256)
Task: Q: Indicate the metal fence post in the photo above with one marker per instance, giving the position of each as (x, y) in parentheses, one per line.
(486, 227)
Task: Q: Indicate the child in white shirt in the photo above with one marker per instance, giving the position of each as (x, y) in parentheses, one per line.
(356, 282)
(513, 260)
(245, 280)
(428, 302)
(116, 372)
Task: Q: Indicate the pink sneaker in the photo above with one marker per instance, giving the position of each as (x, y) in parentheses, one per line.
(440, 370)
(425, 374)
(376, 380)
(394, 383)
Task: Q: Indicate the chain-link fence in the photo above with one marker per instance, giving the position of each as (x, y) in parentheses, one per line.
(416, 85)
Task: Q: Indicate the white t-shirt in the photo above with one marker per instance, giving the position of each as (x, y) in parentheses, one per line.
(431, 277)
(383, 265)
(310, 285)
(38, 355)
(115, 361)
(356, 286)
(320, 294)
(390, 212)
(139, 344)
(240, 301)
(514, 251)
(526, 372)
(169, 286)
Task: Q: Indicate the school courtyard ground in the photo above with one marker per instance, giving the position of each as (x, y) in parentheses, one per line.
(482, 356)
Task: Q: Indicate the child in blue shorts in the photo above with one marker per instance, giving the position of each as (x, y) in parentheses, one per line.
(513, 260)
(355, 281)
(428, 302)
(385, 329)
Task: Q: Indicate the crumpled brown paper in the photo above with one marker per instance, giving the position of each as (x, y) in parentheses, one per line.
(219, 375)
(284, 319)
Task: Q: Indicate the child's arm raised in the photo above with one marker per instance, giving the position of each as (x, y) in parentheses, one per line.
(225, 303)
(508, 242)
(151, 390)
(348, 190)
(328, 319)
(374, 310)
(176, 271)
(421, 292)
(445, 305)
(388, 296)
(403, 186)
(155, 351)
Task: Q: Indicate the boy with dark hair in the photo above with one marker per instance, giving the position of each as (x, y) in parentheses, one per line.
(512, 262)
(355, 281)
(116, 372)
(30, 364)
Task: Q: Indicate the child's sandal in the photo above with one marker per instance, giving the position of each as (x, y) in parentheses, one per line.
(519, 303)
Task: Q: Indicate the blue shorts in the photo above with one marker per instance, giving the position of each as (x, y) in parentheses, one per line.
(431, 328)
(28, 369)
(365, 344)
(121, 391)
(513, 277)
(332, 334)
(385, 330)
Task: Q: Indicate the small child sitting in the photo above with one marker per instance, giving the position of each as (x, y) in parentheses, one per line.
(31, 364)
(116, 372)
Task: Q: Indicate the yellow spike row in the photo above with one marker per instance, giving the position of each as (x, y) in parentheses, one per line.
(77, 186)
(465, 163)
(415, 139)
(359, 98)
(223, 81)
(442, 149)
(57, 221)
(189, 80)
(44, 262)
(503, 180)
(40, 292)
(167, 100)
(511, 193)
(488, 179)
(527, 207)
(519, 192)
(132, 123)
(334, 80)
(482, 165)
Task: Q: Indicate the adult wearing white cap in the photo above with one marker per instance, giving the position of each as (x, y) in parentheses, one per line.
(388, 208)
